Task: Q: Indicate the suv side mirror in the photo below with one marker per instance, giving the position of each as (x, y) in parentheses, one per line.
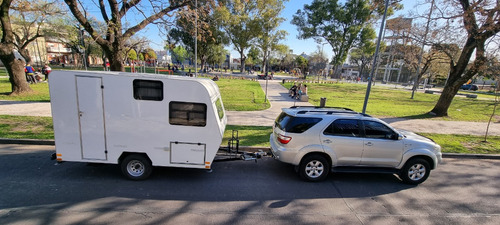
(395, 136)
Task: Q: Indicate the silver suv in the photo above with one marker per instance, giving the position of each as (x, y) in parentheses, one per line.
(320, 140)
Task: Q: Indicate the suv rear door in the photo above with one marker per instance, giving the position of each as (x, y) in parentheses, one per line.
(343, 136)
(381, 145)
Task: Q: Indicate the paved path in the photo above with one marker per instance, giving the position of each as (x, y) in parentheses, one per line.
(278, 97)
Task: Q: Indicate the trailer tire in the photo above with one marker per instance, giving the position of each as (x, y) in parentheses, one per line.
(136, 167)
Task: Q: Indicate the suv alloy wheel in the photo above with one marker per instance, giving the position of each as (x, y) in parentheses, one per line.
(314, 168)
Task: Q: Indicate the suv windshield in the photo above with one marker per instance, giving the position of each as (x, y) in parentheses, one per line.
(292, 124)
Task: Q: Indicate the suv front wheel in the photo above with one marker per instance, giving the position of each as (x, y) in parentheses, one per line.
(415, 171)
(314, 168)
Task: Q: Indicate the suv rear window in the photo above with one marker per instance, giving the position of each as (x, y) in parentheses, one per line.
(292, 124)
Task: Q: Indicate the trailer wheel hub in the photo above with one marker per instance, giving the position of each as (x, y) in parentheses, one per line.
(135, 168)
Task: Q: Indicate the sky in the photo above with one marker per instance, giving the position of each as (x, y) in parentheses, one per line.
(298, 46)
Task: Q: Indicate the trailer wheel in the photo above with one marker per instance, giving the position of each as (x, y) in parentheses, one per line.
(136, 167)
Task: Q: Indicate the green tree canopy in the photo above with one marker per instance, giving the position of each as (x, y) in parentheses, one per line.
(240, 22)
(132, 55)
(338, 24)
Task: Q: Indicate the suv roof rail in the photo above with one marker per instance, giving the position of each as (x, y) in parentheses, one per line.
(318, 107)
(327, 110)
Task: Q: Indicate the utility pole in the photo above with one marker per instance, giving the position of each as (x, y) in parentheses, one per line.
(368, 88)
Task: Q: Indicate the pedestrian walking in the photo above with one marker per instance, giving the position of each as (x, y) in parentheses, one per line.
(46, 71)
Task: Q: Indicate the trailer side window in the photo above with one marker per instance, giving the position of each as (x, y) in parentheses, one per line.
(148, 90)
(187, 114)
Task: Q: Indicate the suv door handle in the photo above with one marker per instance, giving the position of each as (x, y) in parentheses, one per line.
(328, 141)
(369, 144)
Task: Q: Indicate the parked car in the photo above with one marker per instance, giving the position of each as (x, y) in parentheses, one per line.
(469, 87)
(320, 140)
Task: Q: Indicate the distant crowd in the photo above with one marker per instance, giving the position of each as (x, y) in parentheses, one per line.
(34, 76)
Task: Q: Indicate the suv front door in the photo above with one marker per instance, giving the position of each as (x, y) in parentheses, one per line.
(343, 137)
(381, 145)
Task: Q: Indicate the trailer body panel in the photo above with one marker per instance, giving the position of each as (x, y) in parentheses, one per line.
(100, 116)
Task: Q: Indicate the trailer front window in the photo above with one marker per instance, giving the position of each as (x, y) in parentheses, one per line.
(188, 114)
(220, 108)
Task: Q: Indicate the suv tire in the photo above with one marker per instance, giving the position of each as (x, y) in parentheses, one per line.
(314, 168)
(415, 171)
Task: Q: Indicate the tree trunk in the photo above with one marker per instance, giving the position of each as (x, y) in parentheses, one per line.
(203, 61)
(15, 69)
(444, 102)
(115, 59)
(242, 62)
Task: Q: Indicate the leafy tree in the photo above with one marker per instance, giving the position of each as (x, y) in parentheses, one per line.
(302, 63)
(209, 36)
(29, 21)
(253, 56)
(481, 21)
(362, 54)
(180, 54)
(338, 24)
(268, 20)
(132, 55)
(241, 24)
(116, 34)
(149, 54)
(217, 55)
(318, 61)
(34, 19)
(14, 66)
(283, 56)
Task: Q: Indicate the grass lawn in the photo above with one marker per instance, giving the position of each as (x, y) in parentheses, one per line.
(40, 92)
(469, 144)
(388, 102)
(237, 95)
(242, 95)
(26, 127)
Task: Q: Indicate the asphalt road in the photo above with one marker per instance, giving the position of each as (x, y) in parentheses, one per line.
(35, 190)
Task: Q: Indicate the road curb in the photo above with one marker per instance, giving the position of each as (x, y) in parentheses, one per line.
(241, 148)
(27, 141)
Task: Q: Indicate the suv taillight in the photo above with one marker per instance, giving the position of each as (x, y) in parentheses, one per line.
(284, 139)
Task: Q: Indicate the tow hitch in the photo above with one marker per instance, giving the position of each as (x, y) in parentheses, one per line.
(232, 151)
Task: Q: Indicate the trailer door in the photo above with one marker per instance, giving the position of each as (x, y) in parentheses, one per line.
(91, 117)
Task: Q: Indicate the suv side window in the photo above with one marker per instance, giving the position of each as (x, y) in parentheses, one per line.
(377, 130)
(343, 127)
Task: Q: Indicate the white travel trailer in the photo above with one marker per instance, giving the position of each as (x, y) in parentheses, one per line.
(136, 120)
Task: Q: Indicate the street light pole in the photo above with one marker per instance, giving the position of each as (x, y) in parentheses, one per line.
(375, 57)
(267, 77)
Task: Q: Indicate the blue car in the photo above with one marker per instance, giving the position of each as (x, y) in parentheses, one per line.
(469, 87)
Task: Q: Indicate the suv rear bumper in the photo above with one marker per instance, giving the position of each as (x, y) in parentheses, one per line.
(280, 153)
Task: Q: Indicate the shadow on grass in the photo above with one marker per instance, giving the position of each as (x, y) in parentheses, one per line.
(411, 117)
